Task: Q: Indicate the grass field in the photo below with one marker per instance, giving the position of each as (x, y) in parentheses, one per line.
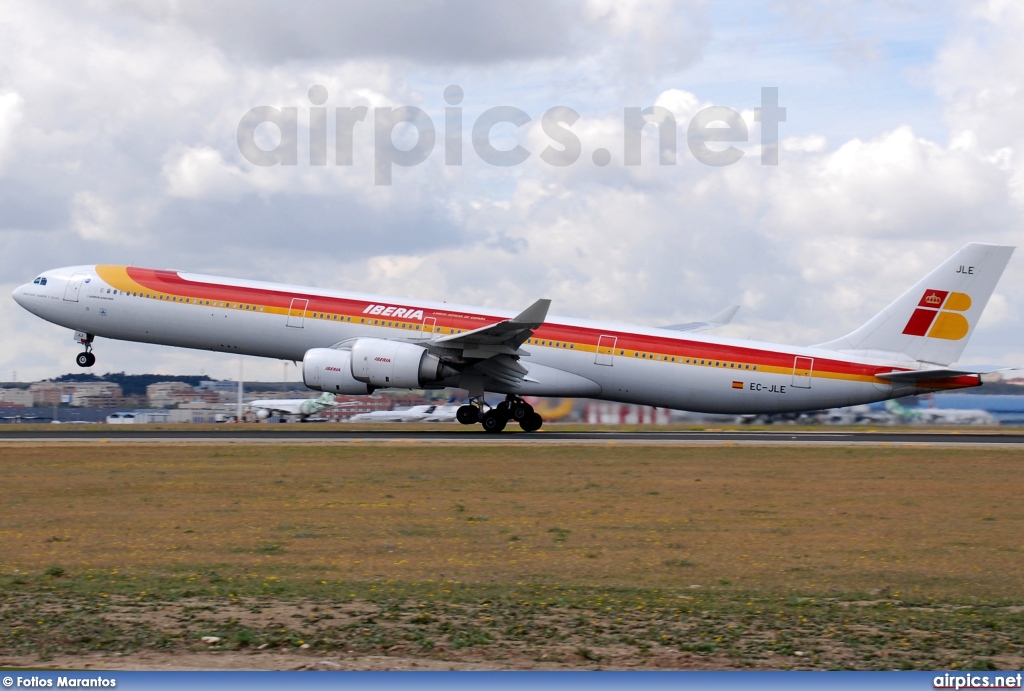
(610, 555)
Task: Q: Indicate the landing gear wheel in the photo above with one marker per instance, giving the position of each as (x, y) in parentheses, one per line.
(493, 421)
(519, 411)
(85, 359)
(531, 423)
(468, 414)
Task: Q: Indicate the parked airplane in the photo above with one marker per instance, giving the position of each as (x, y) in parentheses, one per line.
(353, 344)
(940, 416)
(303, 407)
(417, 413)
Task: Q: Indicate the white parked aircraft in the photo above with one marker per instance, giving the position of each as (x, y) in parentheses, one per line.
(417, 413)
(302, 407)
(940, 416)
(353, 343)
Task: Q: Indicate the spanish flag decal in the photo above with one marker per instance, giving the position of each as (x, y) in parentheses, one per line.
(737, 385)
(928, 320)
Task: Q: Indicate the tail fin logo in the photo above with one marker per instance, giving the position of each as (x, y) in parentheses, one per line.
(931, 321)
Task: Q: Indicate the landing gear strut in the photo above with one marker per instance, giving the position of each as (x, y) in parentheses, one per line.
(85, 359)
(512, 409)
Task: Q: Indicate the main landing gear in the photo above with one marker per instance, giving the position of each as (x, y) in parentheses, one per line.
(512, 409)
(85, 359)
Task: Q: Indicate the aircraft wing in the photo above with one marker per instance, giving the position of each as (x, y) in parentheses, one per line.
(500, 338)
(713, 322)
(493, 351)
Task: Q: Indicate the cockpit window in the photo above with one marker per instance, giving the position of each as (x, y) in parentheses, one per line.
(40, 281)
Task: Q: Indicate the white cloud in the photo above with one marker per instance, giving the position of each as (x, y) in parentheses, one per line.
(200, 172)
(120, 147)
(93, 218)
(11, 114)
(811, 144)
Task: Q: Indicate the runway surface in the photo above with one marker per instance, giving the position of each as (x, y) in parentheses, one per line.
(230, 434)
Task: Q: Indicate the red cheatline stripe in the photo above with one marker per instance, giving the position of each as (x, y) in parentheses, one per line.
(172, 282)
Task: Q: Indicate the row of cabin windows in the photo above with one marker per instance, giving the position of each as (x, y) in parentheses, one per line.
(652, 356)
(688, 361)
(552, 344)
(330, 317)
(406, 325)
(384, 322)
(191, 301)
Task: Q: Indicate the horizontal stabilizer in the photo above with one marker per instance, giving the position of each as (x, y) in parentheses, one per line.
(911, 376)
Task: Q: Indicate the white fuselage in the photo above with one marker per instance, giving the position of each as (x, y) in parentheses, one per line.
(566, 357)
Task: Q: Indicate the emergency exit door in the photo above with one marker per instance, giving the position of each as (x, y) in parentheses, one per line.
(802, 368)
(297, 312)
(605, 350)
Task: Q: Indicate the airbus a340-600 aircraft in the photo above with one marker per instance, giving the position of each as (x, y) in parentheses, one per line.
(353, 344)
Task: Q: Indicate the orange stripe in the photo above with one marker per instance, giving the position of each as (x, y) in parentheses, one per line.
(165, 284)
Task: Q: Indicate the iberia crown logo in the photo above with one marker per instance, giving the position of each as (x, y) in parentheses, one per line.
(939, 315)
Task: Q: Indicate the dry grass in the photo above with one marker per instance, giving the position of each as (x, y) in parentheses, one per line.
(672, 556)
(942, 521)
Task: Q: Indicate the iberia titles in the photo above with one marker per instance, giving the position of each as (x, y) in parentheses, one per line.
(395, 312)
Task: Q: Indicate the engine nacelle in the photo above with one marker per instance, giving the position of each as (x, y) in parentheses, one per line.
(327, 369)
(262, 414)
(383, 363)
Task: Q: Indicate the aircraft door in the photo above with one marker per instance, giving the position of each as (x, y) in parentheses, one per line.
(802, 368)
(74, 287)
(428, 327)
(297, 312)
(605, 350)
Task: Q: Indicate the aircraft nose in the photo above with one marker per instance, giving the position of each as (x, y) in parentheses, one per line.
(19, 295)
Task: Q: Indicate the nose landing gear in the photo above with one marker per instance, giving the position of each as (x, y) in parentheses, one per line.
(512, 409)
(85, 359)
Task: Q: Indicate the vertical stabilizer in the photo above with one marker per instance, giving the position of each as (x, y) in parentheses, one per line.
(933, 321)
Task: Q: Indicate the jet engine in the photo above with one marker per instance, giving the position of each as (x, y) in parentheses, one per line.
(262, 414)
(382, 363)
(327, 369)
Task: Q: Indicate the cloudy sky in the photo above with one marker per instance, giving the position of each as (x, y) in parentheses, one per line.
(118, 144)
